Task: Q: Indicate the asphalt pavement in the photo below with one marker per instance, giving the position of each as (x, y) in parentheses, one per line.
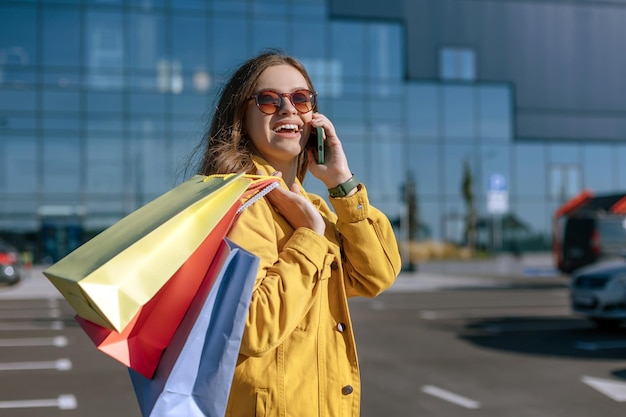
(504, 269)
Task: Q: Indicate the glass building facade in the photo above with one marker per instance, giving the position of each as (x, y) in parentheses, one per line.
(102, 101)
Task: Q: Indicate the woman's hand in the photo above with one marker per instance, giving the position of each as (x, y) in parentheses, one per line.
(296, 209)
(335, 169)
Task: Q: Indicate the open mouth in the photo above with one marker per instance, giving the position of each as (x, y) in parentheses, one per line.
(287, 128)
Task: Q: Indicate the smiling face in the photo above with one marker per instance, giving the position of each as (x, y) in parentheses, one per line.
(280, 137)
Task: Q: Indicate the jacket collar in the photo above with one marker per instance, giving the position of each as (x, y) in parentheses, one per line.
(266, 169)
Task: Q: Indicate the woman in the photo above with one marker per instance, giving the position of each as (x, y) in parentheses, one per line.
(298, 355)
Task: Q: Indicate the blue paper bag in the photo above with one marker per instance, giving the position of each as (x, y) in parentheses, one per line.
(195, 373)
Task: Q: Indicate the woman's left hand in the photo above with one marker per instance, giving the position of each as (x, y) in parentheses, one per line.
(335, 169)
(295, 208)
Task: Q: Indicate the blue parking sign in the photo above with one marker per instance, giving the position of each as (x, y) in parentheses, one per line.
(497, 182)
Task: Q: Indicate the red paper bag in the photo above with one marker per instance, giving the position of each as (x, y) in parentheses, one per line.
(140, 345)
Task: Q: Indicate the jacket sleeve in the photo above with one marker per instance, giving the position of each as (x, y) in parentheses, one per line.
(372, 257)
(289, 268)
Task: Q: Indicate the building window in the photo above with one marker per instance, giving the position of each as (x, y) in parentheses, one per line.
(565, 181)
(457, 64)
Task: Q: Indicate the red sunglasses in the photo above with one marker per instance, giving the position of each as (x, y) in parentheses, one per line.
(269, 101)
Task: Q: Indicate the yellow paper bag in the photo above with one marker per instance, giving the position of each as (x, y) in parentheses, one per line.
(110, 277)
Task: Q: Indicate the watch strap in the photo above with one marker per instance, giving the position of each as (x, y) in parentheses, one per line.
(344, 188)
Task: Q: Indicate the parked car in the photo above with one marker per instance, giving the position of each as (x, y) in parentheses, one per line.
(592, 237)
(10, 268)
(598, 292)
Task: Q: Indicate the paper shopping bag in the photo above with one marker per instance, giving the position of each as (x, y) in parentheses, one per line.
(110, 277)
(195, 373)
(140, 345)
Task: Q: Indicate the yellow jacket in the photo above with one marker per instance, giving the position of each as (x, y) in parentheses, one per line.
(298, 356)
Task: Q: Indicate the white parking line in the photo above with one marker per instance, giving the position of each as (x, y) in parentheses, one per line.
(63, 402)
(615, 390)
(487, 312)
(450, 397)
(54, 313)
(53, 325)
(51, 302)
(58, 341)
(59, 365)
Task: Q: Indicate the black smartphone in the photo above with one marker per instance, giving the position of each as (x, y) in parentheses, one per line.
(316, 141)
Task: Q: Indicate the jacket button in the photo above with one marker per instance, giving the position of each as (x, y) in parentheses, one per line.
(341, 327)
(334, 265)
(347, 390)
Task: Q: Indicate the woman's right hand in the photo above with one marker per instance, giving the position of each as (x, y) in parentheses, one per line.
(296, 209)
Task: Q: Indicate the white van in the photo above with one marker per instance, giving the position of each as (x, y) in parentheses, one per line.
(598, 292)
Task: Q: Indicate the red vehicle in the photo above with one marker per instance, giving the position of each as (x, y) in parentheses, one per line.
(10, 267)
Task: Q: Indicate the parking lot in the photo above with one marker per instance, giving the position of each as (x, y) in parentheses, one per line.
(436, 344)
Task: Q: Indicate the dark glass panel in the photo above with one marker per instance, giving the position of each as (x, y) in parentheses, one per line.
(424, 161)
(150, 163)
(389, 159)
(311, 8)
(195, 5)
(455, 156)
(327, 78)
(147, 41)
(621, 167)
(355, 146)
(61, 101)
(228, 55)
(148, 83)
(104, 102)
(148, 4)
(18, 77)
(422, 102)
(495, 113)
(309, 46)
(106, 2)
(382, 111)
(61, 164)
(113, 123)
(61, 36)
(221, 6)
(189, 105)
(147, 103)
(564, 181)
(459, 112)
(21, 168)
(16, 100)
(25, 122)
(105, 164)
(61, 80)
(190, 51)
(18, 35)
(105, 50)
(348, 48)
(563, 153)
(275, 8)
(55, 122)
(348, 109)
(267, 36)
(430, 219)
(599, 168)
(386, 45)
(529, 175)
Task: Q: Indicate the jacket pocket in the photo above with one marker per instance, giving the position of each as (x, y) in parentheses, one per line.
(329, 264)
(262, 409)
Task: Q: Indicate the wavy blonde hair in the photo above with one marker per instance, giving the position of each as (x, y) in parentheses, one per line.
(227, 146)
